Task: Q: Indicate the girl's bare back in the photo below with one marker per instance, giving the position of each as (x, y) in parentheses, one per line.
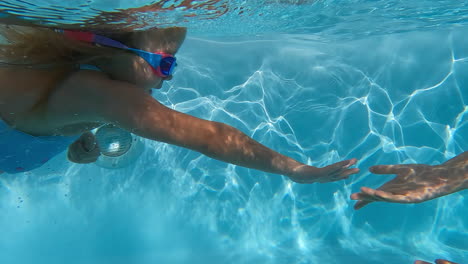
(24, 93)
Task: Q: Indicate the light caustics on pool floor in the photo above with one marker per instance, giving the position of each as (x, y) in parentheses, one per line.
(382, 100)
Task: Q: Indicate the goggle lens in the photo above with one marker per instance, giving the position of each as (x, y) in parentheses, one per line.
(167, 65)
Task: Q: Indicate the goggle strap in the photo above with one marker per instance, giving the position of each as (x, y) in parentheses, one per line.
(109, 42)
(79, 35)
(90, 37)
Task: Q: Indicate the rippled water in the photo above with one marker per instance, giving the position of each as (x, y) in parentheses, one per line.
(331, 18)
(382, 81)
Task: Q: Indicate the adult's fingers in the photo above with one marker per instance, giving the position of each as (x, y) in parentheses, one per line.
(443, 261)
(362, 196)
(361, 204)
(380, 195)
(389, 169)
(363, 199)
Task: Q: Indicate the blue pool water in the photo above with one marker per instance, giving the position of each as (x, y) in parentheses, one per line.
(321, 81)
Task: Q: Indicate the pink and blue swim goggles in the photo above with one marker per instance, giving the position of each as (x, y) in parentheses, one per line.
(162, 64)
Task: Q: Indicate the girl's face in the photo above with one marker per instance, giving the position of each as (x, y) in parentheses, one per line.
(166, 40)
(134, 69)
(159, 85)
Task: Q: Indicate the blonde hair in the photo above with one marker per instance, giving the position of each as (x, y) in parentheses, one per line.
(32, 47)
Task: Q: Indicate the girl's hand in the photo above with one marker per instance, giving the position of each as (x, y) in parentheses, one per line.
(84, 150)
(334, 172)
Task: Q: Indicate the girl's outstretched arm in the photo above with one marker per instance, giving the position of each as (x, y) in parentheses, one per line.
(92, 97)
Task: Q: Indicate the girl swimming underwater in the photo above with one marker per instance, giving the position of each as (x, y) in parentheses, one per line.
(59, 84)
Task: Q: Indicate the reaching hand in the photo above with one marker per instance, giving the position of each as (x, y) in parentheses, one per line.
(334, 172)
(437, 261)
(415, 183)
(84, 149)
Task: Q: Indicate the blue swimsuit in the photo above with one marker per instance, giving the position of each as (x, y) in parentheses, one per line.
(20, 152)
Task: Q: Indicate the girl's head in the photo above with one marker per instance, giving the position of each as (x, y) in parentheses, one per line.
(31, 47)
(133, 68)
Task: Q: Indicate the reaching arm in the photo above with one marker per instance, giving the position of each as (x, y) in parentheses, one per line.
(221, 142)
(134, 110)
(416, 183)
(146, 117)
